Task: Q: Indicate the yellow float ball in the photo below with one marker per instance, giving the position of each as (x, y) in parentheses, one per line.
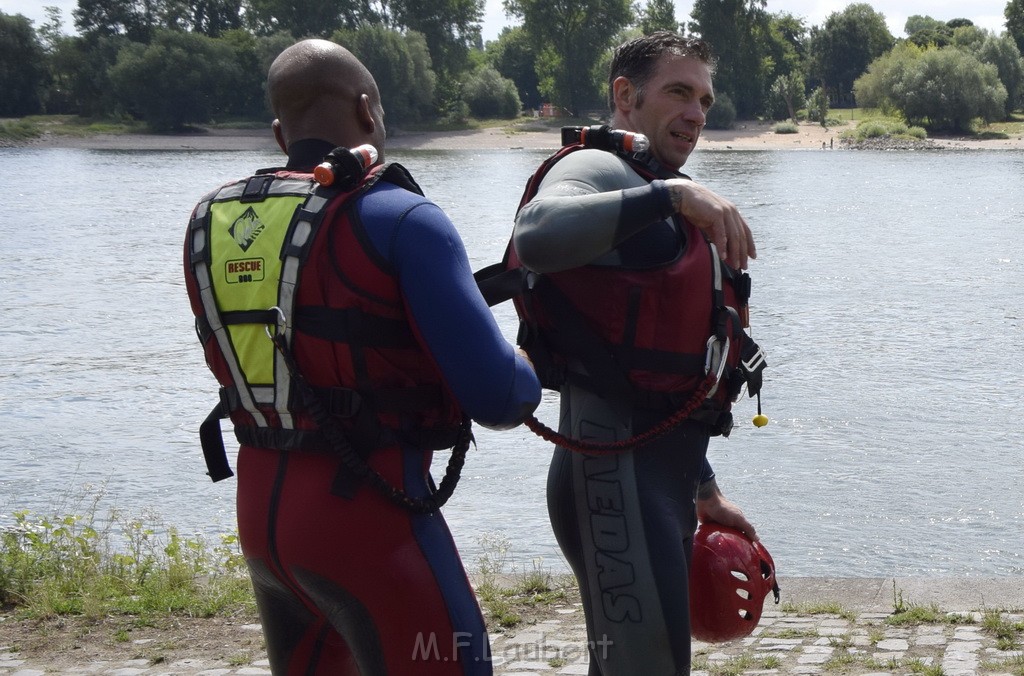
(760, 420)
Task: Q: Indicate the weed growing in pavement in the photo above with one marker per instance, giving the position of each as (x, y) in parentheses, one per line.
(897, 600)
(1008, 634)
(840, 661)
(917, 666)
(505, 593)
(911, 615)
(1013, 665)
(790, 633)
(843, 642)
(736, 665)
(827, 608)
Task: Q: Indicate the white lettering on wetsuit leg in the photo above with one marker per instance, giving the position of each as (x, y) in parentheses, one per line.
(610, 536)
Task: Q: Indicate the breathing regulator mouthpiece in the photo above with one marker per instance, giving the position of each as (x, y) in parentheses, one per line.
(603, 137)
(345, 166)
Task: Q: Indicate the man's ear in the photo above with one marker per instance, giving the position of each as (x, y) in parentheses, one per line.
(279, 135)
(364, 113)
(623, 93)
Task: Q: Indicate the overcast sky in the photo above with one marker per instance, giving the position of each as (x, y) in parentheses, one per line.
(985, 13)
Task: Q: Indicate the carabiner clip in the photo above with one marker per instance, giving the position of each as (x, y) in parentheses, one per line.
(282, 322)
(714, 360)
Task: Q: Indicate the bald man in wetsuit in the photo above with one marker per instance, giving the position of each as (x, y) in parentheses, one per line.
(602, 220)
(349, 579)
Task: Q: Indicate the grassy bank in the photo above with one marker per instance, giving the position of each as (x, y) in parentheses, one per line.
(126, 565)
(81, 589)
(121, 564)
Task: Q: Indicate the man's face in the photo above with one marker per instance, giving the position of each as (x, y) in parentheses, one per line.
(673, 108)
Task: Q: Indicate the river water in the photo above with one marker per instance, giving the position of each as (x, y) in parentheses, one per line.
(887, 295)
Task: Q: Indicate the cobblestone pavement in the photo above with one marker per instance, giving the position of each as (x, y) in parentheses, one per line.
(790, 643)
(822, 626)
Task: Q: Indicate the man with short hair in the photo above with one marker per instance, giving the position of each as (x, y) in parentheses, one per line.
(625, 246)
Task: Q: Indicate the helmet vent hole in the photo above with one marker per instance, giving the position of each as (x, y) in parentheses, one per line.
(745, 615)
(740, 575)
(743, 594)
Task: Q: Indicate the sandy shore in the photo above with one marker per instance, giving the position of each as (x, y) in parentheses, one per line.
(745, 136)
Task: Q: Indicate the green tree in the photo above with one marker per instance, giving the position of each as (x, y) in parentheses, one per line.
(1014, 14)
(944, 88)
(658, 15)
(136, 19)
(786, 59)
(885, 81)
(739, 33)
(302, 18)
(81, 66)
(209, 17)
(842, 49)
(177, 80)
(1002, 52)
(52, 31)
(488, 94)
(57, 95)
(253, 54)
(969, 37)
(400, 64)
(924, 31)
(787, 96)
(569, 37)
(450, 27)
(22, 75)
(817, 106)
(951, 88)
(512, 55)
(788, 41)
(918, 23)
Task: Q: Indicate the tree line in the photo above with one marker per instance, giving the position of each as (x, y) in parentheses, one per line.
(174, 63)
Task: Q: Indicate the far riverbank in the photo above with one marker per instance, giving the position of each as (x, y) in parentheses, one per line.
(746, 135)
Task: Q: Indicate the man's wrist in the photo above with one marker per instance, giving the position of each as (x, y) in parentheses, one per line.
(707, 489)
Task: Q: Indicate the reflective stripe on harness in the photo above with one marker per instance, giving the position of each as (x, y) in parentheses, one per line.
(200, 259)
(293, 251)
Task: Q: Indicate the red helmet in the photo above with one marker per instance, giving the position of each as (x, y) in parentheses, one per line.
(730, 576)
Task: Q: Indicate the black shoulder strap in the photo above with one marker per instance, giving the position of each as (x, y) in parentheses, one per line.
(400, 176)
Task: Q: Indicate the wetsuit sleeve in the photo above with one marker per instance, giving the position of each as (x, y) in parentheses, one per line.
(707, 473)
(582, 211)
(492, 384)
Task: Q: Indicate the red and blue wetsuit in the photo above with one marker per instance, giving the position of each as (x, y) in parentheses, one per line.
(349, 582)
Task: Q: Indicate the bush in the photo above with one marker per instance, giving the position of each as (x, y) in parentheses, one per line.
(401, 65)
(884, 128)
(488, 94)
(19, 130)
(785, 128)
(177, 80)
(723, 114)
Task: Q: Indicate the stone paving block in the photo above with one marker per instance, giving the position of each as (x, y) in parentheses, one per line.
(575, 670)
(893, 645)
(531, 665)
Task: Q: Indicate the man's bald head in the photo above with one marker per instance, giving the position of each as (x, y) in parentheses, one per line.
(319, 89)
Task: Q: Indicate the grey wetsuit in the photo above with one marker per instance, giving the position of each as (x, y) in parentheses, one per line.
(623, 521)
